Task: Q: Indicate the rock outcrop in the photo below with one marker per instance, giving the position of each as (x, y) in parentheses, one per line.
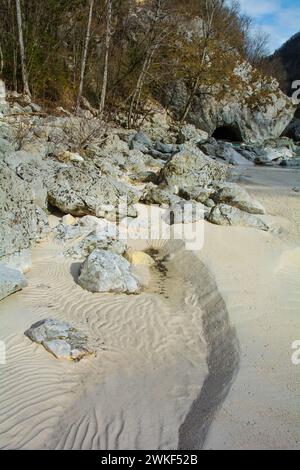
(251, 106)
(18, 218)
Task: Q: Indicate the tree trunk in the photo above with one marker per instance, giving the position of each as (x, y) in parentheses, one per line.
(84, 56)
(105, 71)
(1, 61)
(22, 50)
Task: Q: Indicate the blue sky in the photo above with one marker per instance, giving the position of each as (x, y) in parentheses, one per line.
(279, 18)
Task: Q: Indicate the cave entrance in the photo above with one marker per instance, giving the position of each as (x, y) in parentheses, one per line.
(228, 133)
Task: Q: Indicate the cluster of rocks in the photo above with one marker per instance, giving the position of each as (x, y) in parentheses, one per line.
(281, 151)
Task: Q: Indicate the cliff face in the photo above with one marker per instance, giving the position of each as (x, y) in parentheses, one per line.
(248, 103)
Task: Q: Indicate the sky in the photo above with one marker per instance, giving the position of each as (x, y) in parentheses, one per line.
(280, 19)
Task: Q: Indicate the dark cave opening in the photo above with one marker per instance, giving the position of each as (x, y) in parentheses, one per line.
(228, 133)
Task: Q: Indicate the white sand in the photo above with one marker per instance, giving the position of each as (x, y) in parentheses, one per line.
(168, 357)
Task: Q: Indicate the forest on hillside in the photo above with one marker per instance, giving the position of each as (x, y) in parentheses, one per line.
(117, 53)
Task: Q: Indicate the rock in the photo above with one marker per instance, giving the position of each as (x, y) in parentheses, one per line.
(196, 193)
(145, 177)
(35, 108)
(5, 147)
(166, 148)
(184, 213)
(139, 258)
(42, 224)
(227, 152)
(222, 214)
(191, 167)
(134, 145)
(156, 195)
(20, 260)
(104, 271)
(189, 133)
(143, 139)
(18, 224)
(235, 196)
(68, 219)
(96, 240)
(270, 154)
(81, 191)
(209, 147)
(293, 163)
(67, 156)
(19, 157)
(160, 155)
(60, 339)
(83, 227)
(209, 203)
(11, 281)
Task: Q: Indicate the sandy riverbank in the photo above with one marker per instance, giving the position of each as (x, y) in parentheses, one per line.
(202, 359)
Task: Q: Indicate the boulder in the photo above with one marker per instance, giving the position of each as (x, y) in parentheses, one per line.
(156, 195)
(104, 271)
(235, 196)
(230, 155)
(68, 219)
(223, 214)
(139, 258)
(196, 193)
(60, 339)
(14, 159)
(81, 191)
(189, 133)
(184, 213)
(143, 139)
(191, 167)
(11, 280)
(5, 147)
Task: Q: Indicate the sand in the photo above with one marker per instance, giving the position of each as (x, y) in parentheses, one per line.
(201, 359)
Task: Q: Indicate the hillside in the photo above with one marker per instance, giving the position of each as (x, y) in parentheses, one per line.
(289, 56)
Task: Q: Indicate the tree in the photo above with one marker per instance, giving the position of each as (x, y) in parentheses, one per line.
(211, 8)
(84, 56)
(22, 50)
(158, 31)
(106, 56)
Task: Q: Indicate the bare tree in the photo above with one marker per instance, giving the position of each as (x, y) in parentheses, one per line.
(84, 56)
(157, 34)
(107, 44)
(22, 50)
(211, 7)
(1, 61)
